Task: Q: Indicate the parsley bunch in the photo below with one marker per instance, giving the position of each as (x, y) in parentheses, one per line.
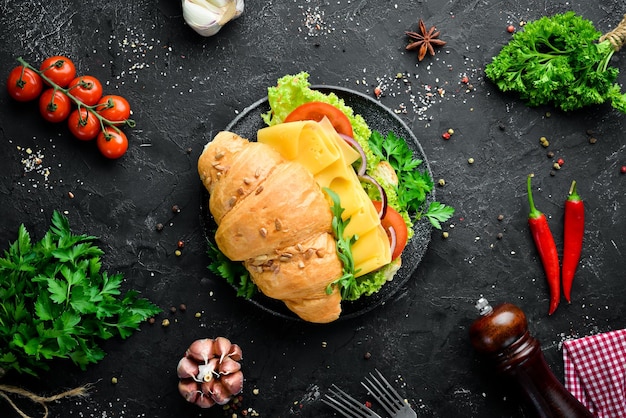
(558, 60)
(55, 302)
(413, 184)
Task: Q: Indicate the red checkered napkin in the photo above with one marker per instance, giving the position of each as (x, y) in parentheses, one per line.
(595, 372)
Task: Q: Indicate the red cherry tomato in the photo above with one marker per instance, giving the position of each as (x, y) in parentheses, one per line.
(114, 108)
(317, 110)
(54, 105)
(112, 143)
(83, 124)
(87, 89)
(394, 219)
(59, 69)
(24, 84)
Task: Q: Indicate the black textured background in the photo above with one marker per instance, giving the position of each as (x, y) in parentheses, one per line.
(184, 88)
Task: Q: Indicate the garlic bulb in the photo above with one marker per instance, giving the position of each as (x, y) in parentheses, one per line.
(210, 372)
(208, 16)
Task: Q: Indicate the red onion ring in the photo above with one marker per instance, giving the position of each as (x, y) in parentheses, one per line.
(354, 144)
(383, 195)
(392, 238)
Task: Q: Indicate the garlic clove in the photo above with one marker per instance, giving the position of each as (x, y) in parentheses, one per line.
(207, 17)
(187, 368)
(228, 366)
(222, 347)
(233, 382)
(189, 389)
(201, 350)
(220, 394)
(235, 353)
(204, 401)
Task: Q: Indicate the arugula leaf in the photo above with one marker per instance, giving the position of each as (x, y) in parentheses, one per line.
(348, 284)
(558, 60)
(55, 302)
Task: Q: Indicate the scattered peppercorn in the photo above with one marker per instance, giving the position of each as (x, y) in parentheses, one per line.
(500, 217)
(70, 195)
(159, 227)
(151, 320)
(501, 126)
(180, 244)
(593, 140)
(499, 236)
(550, 154)
(182, 307)
(176, 209)
(165, 323)
(367, 355)
(173, 309)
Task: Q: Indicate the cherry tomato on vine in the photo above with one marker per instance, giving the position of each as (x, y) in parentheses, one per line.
(54, 105)
(86, 88)
(394, 219)
(24, 84)
(112, 143)
(114, 108)
(59, 69)
(317, 110)
(83, 124)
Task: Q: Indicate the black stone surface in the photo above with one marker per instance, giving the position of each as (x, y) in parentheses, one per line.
(184, 88)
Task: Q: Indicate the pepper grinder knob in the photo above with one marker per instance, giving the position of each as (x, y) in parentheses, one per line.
(501, 334)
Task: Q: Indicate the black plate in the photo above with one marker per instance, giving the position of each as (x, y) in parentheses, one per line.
(378, 118)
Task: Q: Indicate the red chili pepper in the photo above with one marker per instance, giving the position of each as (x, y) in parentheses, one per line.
(544, 241)
(574, 229)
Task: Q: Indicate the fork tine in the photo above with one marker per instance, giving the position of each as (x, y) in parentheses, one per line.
(384, 393)
(346, 405)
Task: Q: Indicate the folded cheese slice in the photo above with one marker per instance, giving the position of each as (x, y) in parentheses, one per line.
(317, 146)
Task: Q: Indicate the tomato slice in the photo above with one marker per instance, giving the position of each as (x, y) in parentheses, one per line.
(317, 110)
(396, 221)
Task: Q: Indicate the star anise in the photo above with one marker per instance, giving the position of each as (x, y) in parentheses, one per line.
(424, 40)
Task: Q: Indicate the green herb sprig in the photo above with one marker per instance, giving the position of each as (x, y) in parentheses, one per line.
(558, 60)
(234, 272)
(347, 281)
(56, 302)
(414, 185)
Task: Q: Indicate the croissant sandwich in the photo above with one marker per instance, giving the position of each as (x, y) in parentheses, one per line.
(307, 208)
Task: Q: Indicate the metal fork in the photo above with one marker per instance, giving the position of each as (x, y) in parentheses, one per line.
(346, 405)
(388, 397)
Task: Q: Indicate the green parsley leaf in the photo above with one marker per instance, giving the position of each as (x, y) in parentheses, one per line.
(558, 60)
(57, 303)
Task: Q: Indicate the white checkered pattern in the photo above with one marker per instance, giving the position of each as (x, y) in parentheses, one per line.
(595, 372)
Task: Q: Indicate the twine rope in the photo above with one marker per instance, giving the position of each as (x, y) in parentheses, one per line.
(617, 37)
(6, 390)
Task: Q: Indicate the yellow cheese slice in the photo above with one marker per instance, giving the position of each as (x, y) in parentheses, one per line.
(317, 146)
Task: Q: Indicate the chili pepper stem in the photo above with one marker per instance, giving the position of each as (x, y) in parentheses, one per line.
(546, 247)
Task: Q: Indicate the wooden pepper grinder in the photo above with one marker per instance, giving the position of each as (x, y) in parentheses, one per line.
(501, 334)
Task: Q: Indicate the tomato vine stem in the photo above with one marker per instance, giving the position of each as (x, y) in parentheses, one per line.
(91, 109)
